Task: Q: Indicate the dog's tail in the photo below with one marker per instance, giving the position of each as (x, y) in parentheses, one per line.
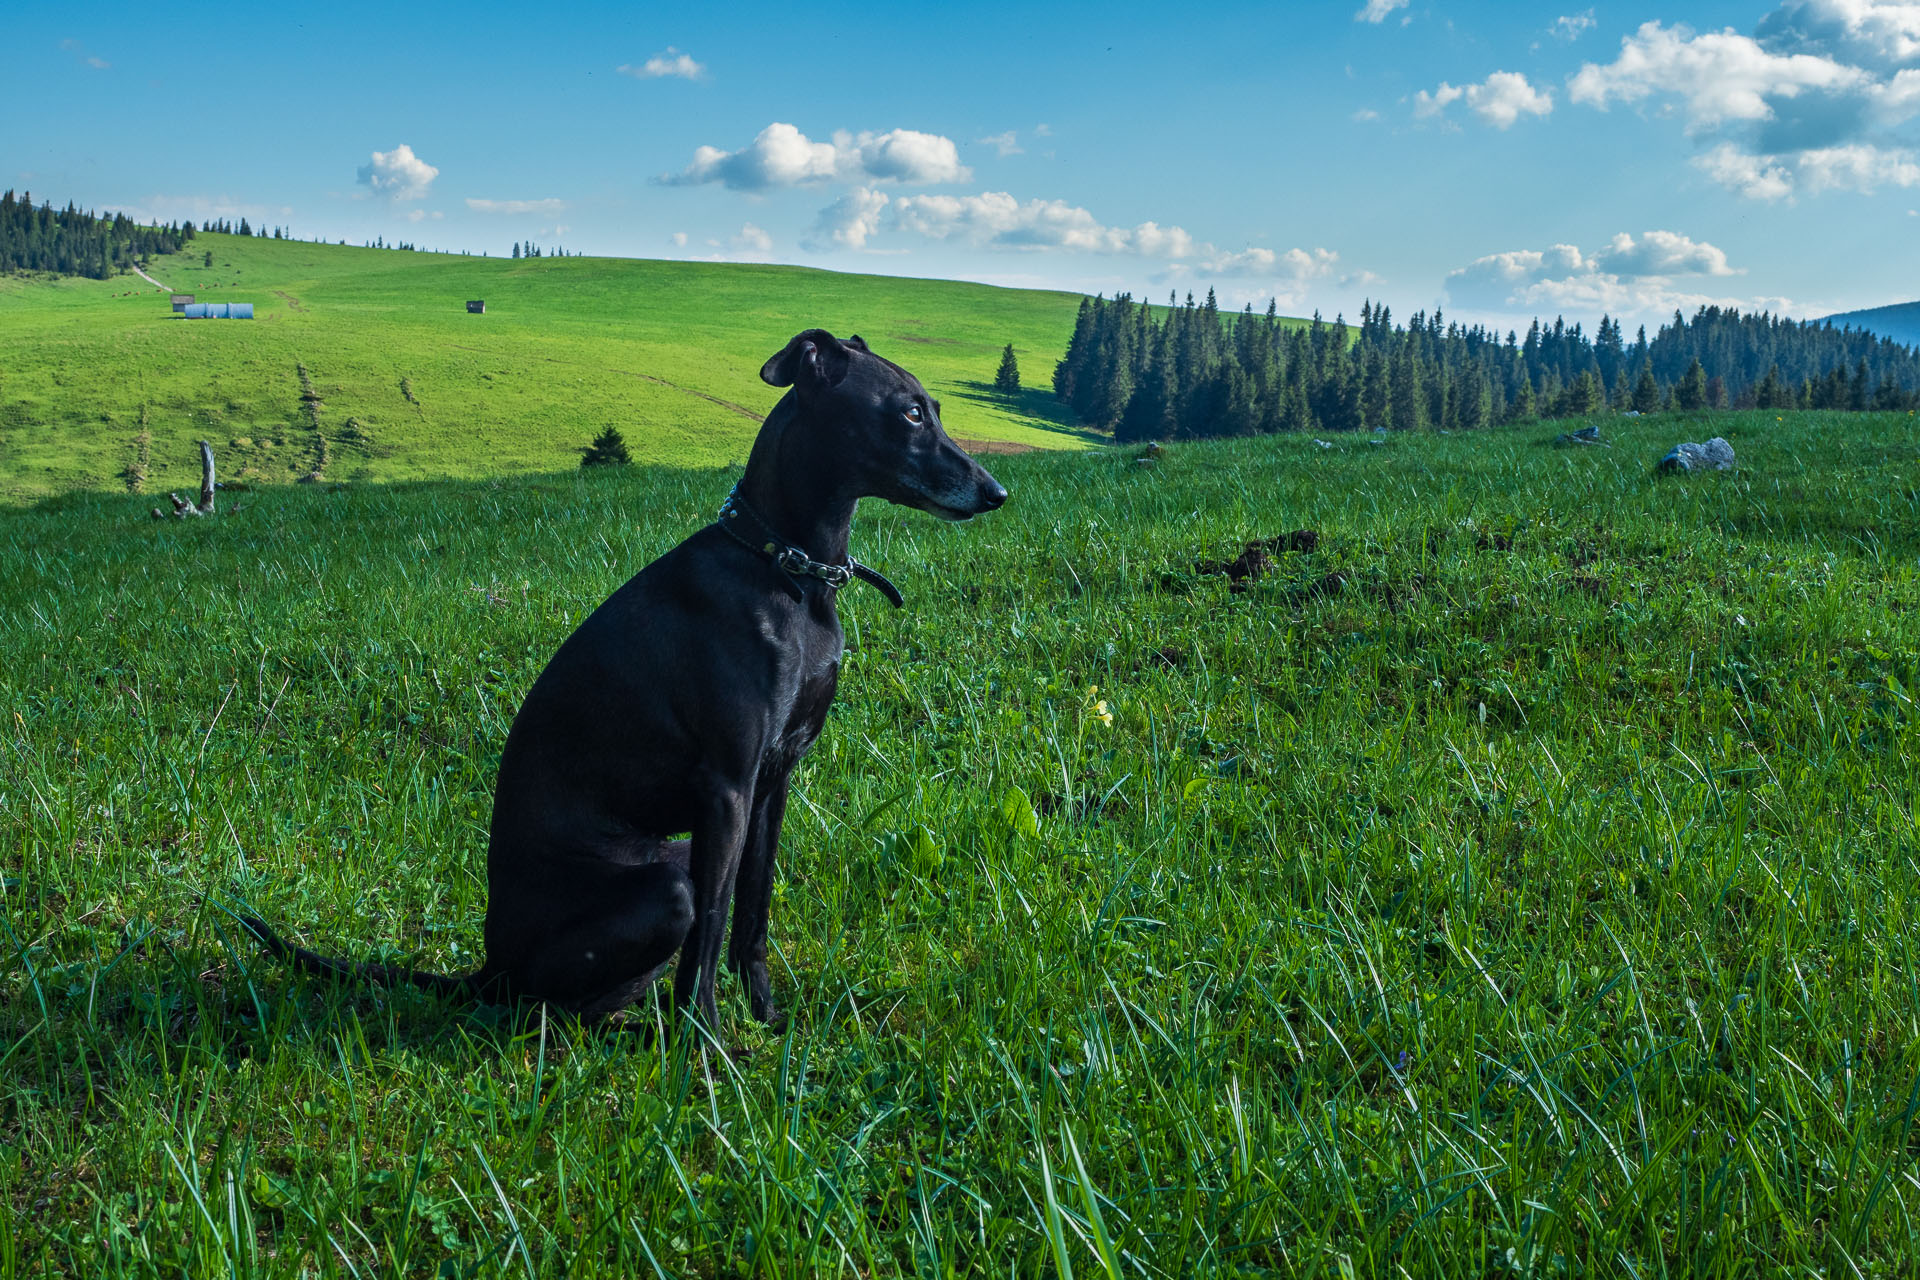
(457, 986)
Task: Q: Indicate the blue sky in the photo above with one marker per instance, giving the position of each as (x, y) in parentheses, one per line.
(1499, 160)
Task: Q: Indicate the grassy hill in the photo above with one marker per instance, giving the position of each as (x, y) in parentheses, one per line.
(409, 386)
(1901, 322)
(1517, 878)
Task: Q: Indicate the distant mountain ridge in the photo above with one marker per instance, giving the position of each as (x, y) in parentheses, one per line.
(1901, 321)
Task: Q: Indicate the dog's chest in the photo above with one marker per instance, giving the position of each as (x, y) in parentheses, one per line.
(809, 712)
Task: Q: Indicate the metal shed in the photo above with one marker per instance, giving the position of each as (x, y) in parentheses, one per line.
(180, 301)
(218, 311)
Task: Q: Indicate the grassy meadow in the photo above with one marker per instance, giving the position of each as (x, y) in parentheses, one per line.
(1517, 878)
(373, 352)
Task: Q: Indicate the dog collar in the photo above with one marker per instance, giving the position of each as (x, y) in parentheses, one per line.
(736, 517)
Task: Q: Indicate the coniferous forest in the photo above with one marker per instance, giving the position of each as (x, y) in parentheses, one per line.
(69, 242)
(1187, 371)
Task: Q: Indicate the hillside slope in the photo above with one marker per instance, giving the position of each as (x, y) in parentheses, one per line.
(1901, 322)
(374, 351)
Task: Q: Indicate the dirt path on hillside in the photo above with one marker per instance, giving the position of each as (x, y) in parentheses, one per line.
(150, 280)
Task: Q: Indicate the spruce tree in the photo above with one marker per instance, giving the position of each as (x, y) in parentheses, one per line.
(607, 450)
(1690, 393)
(1646, 391)
(1007, 380)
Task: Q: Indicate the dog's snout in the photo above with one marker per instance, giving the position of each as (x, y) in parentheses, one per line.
(992, 494)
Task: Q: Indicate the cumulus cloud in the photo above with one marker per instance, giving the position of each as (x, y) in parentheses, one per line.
(751, 239)
(996, 219)
(1500, 100)
(781, 156)
(1377, 11)
(849, 222)
(548, 206)
(1007, 144)
(1629, 276)
(399, 175)
(1721, 75)
(672, 64)
(1812, 102)
(1882, 34)
(1661, 253)
(422, 215)
(1366, 115)
(1293, 266)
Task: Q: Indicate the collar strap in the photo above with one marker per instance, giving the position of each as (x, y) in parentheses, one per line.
(744, 525)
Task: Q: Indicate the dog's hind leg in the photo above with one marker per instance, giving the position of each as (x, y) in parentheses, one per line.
(606, 956)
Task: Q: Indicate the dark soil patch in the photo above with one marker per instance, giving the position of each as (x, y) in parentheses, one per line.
(1256, 558)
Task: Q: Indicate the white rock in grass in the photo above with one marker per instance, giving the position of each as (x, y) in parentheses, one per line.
(1715, 455)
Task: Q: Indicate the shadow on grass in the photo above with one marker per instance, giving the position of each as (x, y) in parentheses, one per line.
(1042, 411)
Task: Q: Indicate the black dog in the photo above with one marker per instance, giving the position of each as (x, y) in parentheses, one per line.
(683, 703)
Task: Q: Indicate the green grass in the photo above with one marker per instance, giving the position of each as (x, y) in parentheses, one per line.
(1521, 883)
(411, 387)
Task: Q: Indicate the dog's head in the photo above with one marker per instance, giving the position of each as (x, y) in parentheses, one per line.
(890, 441)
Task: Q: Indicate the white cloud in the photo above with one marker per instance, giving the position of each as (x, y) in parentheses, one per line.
(679, 239)
(752, 239)
(1722, 75)
(398, 174)
(1756, 177)
(902, 155)
(422, 215)
(1377, 11)
(1858, 167)
(1812, 103)
(671, 64)
(1875, 33)
(849, 222)
(781, 156)
(1571, 27)
(1043, 130)
(1366, 115)
(1295, 265)
(1661, 253)
(548, 206)
(995, 219)
(1007, 144)
(1628, 277)
(1500, 100)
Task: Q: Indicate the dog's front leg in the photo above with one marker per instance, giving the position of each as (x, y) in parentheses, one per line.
(753, 900)
(717, 842)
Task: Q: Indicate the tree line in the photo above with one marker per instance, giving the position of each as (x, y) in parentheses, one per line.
(69, 242)
(1188, 371)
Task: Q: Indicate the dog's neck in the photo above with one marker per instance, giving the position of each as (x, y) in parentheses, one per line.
(797, 489)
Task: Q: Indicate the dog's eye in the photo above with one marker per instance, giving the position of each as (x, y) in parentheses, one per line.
(913, 414)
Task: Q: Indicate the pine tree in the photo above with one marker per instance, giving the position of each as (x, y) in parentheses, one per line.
(516, 248)
(1690, 393)
(1007, 380)
(1646, 391)
(607, 450)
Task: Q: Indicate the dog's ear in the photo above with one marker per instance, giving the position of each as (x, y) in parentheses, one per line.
(858, 343)
(813, 359)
